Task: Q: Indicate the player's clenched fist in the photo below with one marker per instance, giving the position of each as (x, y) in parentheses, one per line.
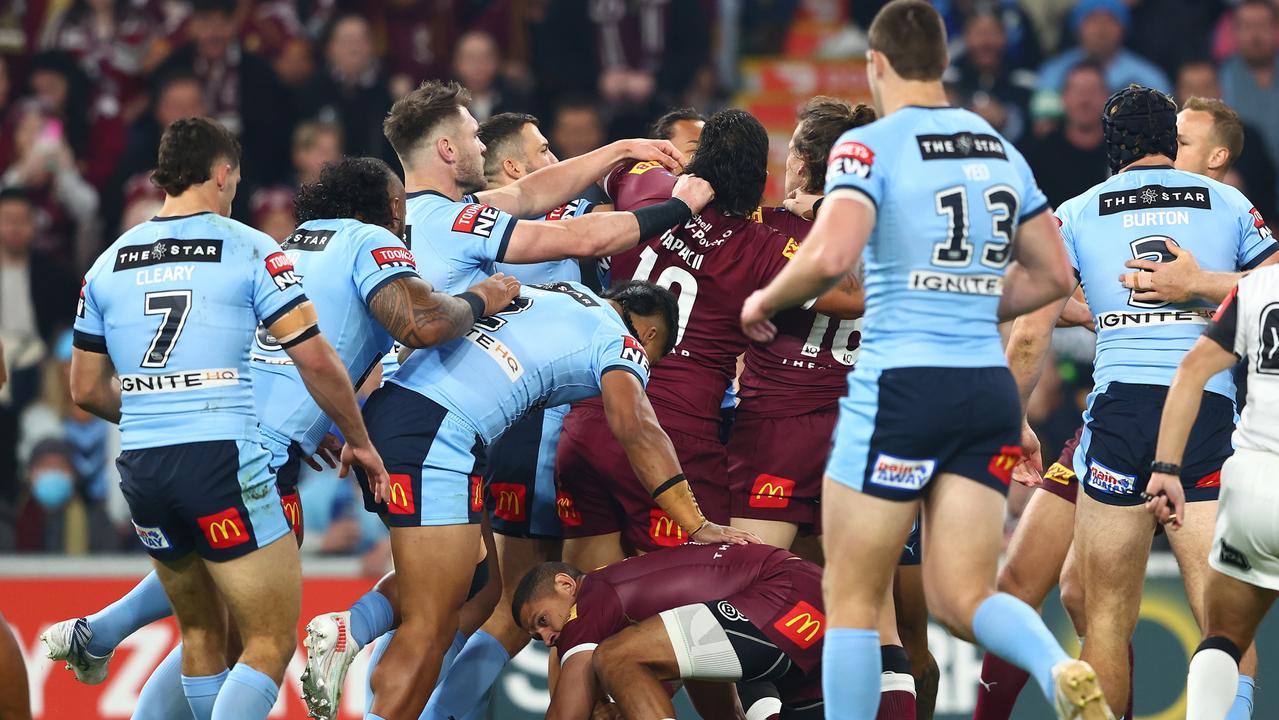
(755, 318)
(497, 291)
(694, 191)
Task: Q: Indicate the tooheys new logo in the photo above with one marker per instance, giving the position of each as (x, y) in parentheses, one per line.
(477, 219)
(850, 158)
(1260, 223)
(393, 257)
(280, 268)
(634, 352)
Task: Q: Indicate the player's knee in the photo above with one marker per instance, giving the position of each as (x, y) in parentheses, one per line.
(848, 605)
(1072, 599)
(955, 609)
(1015, 580)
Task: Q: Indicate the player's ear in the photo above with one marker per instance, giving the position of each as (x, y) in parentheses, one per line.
(512, 168)
(221, 172)
(444, 147)
(1218, 158)
(565, 584)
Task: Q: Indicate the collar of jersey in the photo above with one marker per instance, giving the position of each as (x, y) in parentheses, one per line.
(180, 217)
(1150, 167)
(419, 193)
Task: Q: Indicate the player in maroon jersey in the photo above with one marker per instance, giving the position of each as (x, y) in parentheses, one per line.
(714, 613)
(712, 263)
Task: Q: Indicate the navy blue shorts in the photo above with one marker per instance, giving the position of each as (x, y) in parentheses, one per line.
(215, 498)
(432, 456)
(1121, 427)
(521, 476)
(901, 427)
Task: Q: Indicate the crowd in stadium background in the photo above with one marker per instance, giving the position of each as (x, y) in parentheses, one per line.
(87, 85)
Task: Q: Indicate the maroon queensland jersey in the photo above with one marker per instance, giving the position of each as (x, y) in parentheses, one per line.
(770, 587)
(805, 368)
(712, 263)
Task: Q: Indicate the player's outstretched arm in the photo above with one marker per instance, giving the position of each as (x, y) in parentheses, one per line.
(1181, 279)
(652, 456)
(540, 192)
(93, 384)
(418, 317)
(575, 690)
(601, 234)
(845, 301)
(1205, 359)
(326, 379)
(830, 252)
(1040, 273)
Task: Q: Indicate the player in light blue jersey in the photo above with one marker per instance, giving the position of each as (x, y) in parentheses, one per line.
(555, 344)
(170, 308)
(363, 281)
(1146, 214)
(937, 198)
(460, 231)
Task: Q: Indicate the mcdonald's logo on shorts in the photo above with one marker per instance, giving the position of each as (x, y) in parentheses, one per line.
(224, 530)
(803, 625)
(401, 501)
(771, 491)
(292, 505)
(1001, 465)
(566, 510)
(477, 494)
(509, 499)
(664, 531)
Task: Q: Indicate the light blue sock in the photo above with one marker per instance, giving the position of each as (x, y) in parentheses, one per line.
(163, 697)
(202, 693)
(144, 604)
(247, 694)
(850, 673)
(473, 672)
(375, 657)
(1242, 709)
(371, 616)
(459, 642)
(1013, 630)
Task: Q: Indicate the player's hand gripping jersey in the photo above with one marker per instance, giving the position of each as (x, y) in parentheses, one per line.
(949, 193)
(711, 263)
(1133, 215)
(344, 263)
(201, 271)
(549, 347)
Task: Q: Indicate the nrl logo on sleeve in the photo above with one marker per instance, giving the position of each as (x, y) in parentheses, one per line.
(388, 257)
(477, 219)
(633, 351)
(281, 270)
(308, 240)
(850, 158)
(901, 473)
(961, 146)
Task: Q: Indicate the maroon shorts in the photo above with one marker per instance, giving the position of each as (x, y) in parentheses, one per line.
(598, 492)
(1060, 479)
(775, 467)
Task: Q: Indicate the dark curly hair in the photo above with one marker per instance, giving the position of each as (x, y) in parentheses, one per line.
(414, 116)
(353, 187)
(821, 121)
(638, 297)
(188, 150)
(733, 158)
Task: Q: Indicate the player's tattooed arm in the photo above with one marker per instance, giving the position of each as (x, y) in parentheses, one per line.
(845, 301)
(94, 386)
(418, 317)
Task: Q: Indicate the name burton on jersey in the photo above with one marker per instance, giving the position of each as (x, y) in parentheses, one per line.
(1156, 217)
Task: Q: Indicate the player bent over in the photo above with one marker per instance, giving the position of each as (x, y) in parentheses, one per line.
(554, 344)
(714, 613)
(1243, 580)
(931, 404)
(171, 307)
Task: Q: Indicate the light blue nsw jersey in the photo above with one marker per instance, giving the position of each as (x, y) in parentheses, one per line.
(567, 270)
(1135, 214)
(550, 347)
(949, 193)
(175, 303)
(343, 263)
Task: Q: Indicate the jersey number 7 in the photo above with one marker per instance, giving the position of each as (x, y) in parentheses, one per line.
(175, 306)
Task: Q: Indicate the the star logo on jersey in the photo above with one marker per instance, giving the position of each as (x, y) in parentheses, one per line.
(1148, 196)
(964, 143)
(158, 250)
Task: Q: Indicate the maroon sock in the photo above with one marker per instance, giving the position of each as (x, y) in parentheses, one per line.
(1001, 683)
(1131, 671)
(896, 705)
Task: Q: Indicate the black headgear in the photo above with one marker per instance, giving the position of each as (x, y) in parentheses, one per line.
(1139, 121)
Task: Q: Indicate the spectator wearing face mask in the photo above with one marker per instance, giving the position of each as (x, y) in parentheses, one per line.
(45, 517)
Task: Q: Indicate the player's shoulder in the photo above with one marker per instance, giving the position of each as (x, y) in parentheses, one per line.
(1072, 208)
(1232, 197)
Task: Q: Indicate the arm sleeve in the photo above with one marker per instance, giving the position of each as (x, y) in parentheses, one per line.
(639, 185)
(854, 165)
(482, 230)
(1224, 327)
(1033, 200)
(381, 258)
(276, 287)
(616, 351)
(1256, 243)
(1063, 220)
(89, 330)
